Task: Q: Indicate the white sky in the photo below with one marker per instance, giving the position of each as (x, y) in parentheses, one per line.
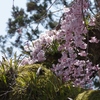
(5, 12)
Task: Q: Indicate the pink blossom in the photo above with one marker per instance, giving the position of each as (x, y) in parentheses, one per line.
(82, 53)
(25, 61)
(41, 55)
(70, 43)
(94, 40)
(92, 21)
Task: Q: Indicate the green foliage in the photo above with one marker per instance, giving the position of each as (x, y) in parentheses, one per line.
(31, 6)
(42, 86)
(30, 83)
(8, 74)
(35, 82)
(89, 95)
(31, 86)
(53, 54)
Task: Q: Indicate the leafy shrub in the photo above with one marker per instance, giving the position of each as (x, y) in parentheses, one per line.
(44, 85)
(8, 75)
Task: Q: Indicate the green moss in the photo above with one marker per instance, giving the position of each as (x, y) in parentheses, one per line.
(45, 86)
(28, 85)
(89, 95)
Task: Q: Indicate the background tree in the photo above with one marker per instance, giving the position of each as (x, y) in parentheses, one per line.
(26, 25)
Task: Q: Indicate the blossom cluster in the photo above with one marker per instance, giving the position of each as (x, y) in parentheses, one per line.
(38, 47)
(74, 64)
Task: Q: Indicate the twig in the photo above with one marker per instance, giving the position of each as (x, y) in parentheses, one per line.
(5, 93)
(44, 16)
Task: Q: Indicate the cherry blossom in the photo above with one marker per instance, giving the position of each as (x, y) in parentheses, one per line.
(70, 40)
(94, 40)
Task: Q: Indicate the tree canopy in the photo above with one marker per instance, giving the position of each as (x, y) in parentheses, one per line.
(26, 25)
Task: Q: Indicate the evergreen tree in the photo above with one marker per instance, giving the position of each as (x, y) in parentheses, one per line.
(26, 25)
